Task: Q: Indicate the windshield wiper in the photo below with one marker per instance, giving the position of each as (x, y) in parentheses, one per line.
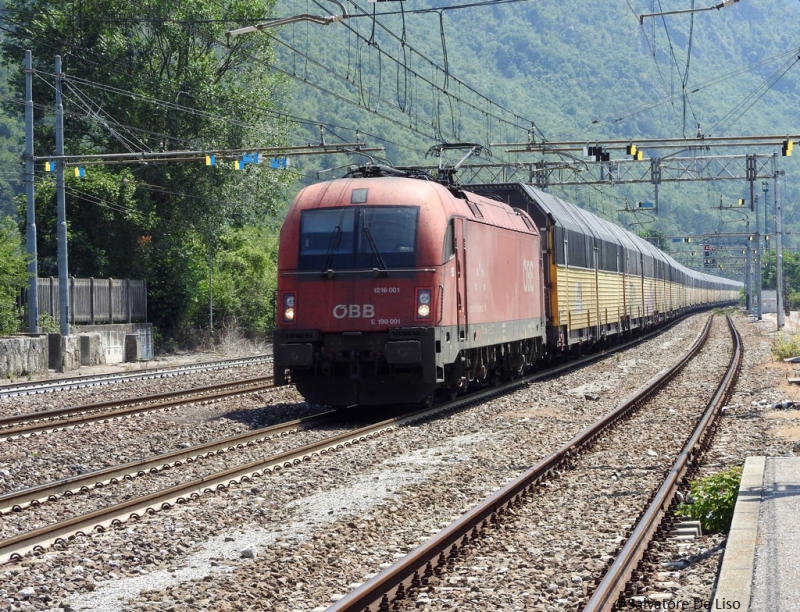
(374, 247)
(337, 238)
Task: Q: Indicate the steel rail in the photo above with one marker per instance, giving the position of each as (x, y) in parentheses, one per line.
(89, 413)
(39, 539)
(100, 519)
(5, 422)
(426, 560)
(612, 585)
(17, 500)
(36, 495)
(79, 382)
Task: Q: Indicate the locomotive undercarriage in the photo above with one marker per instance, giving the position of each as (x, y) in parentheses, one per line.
(492, 364)
(397, 366)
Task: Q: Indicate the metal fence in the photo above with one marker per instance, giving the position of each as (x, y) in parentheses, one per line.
(96, 300)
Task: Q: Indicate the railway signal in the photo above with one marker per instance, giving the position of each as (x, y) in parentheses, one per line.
(598, 153)
(634, 152)
(786, 149)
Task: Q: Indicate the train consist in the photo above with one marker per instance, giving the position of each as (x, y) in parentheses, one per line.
(392, 286)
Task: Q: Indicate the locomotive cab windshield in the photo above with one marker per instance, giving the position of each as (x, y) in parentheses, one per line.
(358, 238)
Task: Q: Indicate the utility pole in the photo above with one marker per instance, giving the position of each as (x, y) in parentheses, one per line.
(63, 280)
(748, 283)
(30, 203)
(778, 252)
(751, 177)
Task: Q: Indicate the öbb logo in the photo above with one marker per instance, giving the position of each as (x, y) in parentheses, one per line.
(354, 311)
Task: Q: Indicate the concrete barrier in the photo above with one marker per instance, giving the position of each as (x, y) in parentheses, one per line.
(54, 351)
(113, 339)
(131, 348)
(91, 348)
(31, 354)
(23, 355)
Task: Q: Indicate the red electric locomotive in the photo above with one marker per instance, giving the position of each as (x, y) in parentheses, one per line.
(391, 287)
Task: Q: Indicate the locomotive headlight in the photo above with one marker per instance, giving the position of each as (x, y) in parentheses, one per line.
(423, 304)
(288, 307)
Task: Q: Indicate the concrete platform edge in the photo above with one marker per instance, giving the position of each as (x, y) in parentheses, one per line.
(734, 585)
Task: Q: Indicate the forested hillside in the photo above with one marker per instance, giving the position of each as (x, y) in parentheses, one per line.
(583, 71)
(161, 75)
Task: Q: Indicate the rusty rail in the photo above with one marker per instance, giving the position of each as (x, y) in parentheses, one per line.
(612, 586)
(47, 420)
(93, 380)
(38, 539)
(428, 559)
(36, 495)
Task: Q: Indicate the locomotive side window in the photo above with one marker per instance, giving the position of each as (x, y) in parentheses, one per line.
(449, 250)
(358, 237)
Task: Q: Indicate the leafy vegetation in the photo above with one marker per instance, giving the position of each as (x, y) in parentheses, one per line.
(11, 135)
(582, 72)
(13, 273)
(714, 499)
(152, 76)
(244, 281)
(786, 345)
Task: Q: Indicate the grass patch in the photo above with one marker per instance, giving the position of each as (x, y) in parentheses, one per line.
(786, 345)
(713, 499)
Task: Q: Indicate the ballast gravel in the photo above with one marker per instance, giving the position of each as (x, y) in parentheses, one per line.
(301, 538)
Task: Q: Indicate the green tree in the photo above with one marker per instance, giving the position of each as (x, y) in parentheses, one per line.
(11, 135)
(791, 275)
(150, 76)
(13, 275)
(656, 238)
(244, 280)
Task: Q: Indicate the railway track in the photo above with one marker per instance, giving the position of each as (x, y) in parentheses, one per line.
(35, 423)
(40, 538)
(396, 586)
(80, 382)
(83, 483)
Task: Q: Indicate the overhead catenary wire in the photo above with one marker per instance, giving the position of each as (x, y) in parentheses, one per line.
(667, 98)
(310, 122)
(666, 88)
(159, 102)
(98, 201)
(280, 115)
(94, 114)
(674, 57)
(730, 118)
(398, 38)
